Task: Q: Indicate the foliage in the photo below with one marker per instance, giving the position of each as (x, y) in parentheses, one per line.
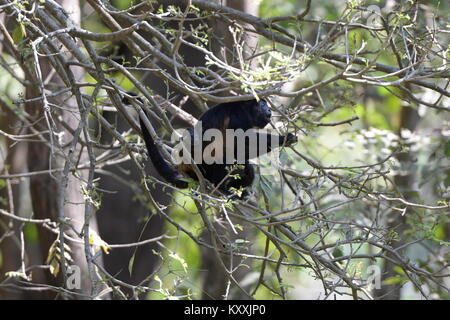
(363, 84)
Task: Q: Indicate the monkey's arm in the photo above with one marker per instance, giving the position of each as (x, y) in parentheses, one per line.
(267, 142)
(257, 144)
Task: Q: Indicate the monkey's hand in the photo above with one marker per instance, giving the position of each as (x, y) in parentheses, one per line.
(290, 139)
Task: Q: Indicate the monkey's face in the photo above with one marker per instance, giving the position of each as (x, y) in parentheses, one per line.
(261, 114)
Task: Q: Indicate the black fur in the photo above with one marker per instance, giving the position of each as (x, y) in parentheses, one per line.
(243, 115)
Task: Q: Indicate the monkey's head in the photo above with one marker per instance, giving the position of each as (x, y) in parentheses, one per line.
(261, 113)
(237, 115)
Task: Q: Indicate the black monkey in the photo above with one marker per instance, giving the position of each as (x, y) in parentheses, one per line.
(245, 115)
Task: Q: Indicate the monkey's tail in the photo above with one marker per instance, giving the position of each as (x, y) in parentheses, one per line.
(161, 165)
(164, 169)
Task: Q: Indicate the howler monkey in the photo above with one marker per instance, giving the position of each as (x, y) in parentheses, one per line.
(226, 176)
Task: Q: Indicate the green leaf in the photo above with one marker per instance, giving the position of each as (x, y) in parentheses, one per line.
(439, 233)
(394, 280)
(337, 252)
(180, 260)
(447, 149)
(18, 34)
(31, 233)
(131, 263)
(399, 270)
